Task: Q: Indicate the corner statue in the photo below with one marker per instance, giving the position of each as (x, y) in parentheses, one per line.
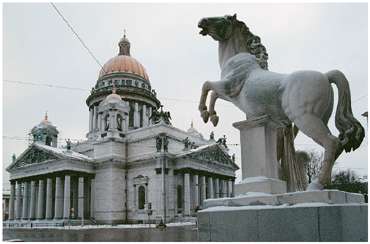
(304, 98)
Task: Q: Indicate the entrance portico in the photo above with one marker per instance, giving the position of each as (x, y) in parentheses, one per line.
(49, 196)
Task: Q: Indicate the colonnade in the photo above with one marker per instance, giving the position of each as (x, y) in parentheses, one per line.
(51, 197)
(204, 187)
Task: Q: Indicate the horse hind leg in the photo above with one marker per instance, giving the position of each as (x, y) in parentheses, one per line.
(212, 113)
(314, 127)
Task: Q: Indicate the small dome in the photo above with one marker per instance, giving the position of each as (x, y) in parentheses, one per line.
(192, 131)
(45, 123)
(112, 98)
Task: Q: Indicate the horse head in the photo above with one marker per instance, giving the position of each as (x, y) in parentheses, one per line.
(219, 28)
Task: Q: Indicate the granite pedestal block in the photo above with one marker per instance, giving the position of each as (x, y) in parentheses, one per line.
(301, 222)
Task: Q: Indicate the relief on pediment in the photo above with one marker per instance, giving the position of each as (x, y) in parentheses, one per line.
(33, 156)
(212, 154)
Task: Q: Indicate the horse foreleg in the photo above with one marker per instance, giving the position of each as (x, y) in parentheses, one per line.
(212, 113)
(202, 103)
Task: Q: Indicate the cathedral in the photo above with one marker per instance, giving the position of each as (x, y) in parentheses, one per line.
(133, 167)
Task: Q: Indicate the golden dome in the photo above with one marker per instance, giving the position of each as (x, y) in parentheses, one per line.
(125, 64)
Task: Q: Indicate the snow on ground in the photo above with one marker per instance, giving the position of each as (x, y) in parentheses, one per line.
(127, 226)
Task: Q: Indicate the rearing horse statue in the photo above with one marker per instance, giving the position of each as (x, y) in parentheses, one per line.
(304, 98)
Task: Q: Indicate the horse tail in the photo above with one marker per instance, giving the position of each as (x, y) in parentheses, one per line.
(351, 132)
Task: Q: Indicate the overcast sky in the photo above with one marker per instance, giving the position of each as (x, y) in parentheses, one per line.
(38, 47)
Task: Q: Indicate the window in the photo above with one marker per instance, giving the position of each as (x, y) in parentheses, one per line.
(106, 122)
(179, 197)
(141, 114)
(131, 115)
(48, 141)
(141, 197)
(119, 122)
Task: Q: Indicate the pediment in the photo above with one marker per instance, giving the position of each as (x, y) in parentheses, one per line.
(32, 155)
(213, 154)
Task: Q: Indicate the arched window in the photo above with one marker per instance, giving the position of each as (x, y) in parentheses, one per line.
(179, 197)
(141, 197)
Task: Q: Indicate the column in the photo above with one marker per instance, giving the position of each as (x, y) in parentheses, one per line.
(58, 214)
(90, 119)
(230, 188)
(217, 188)
(145, 116)
(32, 212)
(136, 116)
(222, 188)
(49, 199)
(203, 190)
(196, 191)
(40, 200)
(210, 188)
(25, 200)
(67, 195)
(187, 194)
(12, 201)
(81, 197)
(149, 115)
(92, 198)
(94, 119)
(18, 198)
(99, 122)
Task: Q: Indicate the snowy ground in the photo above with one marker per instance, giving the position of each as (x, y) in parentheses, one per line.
(127, 226)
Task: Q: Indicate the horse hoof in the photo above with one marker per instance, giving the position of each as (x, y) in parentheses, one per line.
(214, 119)
(205, 115)
(315, 186)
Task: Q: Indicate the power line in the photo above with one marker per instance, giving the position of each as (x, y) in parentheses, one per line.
(22, 82)
(44, 84)
(75, 33)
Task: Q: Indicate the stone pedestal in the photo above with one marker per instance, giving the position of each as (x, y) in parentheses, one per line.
(260, 169)
(302, 222)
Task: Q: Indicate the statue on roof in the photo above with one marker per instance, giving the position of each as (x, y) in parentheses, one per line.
(158, 116)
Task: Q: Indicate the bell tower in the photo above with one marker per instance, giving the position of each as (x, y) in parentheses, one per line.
(45, 133)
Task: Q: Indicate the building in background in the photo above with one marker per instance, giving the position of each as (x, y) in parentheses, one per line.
(133, 166)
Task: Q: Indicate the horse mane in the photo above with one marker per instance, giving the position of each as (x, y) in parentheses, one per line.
(252, 44)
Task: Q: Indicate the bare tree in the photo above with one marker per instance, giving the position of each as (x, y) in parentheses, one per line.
(311, 161)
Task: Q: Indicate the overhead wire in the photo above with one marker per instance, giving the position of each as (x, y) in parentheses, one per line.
(76, 34)
(22, 82)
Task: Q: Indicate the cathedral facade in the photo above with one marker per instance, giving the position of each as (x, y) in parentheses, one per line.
(134, 166)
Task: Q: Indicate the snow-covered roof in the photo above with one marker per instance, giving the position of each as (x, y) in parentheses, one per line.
(63, 152)
(198, 149)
